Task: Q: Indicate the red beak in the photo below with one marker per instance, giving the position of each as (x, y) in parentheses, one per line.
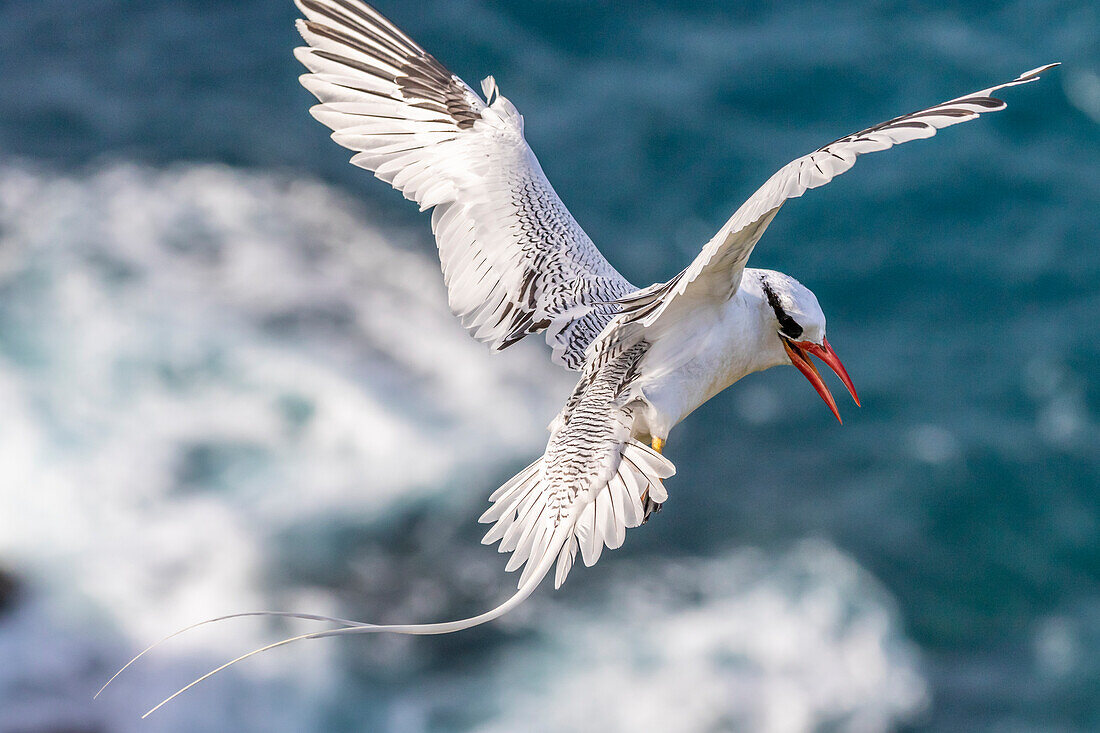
(797, 351)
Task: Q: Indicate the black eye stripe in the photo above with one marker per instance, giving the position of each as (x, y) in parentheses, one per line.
(787, 325)
(790, 327)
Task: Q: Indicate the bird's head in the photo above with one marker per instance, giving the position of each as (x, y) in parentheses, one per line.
(799, 325)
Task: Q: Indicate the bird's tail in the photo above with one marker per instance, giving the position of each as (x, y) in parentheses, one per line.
(538, 571)
(522, 509)
(584, 493)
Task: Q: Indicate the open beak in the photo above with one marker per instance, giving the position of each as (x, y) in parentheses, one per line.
(797, 351)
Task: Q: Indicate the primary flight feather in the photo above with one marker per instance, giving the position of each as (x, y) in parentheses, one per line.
(515, 262)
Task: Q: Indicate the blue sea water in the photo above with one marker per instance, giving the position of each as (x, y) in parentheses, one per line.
(230, 380)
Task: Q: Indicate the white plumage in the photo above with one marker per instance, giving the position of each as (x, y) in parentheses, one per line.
(515, 262)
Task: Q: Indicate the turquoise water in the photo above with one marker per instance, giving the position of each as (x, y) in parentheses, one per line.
(219, 398)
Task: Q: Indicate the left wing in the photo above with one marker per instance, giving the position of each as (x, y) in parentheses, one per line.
(716, 271)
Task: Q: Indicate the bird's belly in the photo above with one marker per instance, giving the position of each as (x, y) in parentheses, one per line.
(676, 395)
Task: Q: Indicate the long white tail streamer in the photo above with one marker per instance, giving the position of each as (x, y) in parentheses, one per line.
(283, 614)
(561, 534)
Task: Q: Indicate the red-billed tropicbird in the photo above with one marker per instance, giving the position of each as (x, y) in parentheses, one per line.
(515, 262)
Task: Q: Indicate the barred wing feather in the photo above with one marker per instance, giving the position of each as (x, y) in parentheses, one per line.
(716, 271)
(514, 259)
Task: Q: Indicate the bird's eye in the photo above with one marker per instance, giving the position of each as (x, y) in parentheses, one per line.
(789, 328)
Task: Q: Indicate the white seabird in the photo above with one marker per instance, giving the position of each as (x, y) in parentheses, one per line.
(515, 263)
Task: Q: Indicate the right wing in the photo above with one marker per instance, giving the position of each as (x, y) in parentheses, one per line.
(514, 260)
(715, 274)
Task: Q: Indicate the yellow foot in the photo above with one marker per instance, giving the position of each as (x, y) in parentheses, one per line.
(658, 444)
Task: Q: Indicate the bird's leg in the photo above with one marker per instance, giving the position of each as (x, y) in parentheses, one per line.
(652, 507)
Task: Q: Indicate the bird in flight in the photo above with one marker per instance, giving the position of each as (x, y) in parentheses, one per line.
(516, 263)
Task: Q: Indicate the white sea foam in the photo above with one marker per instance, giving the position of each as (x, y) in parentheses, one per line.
(194, 360)
(749, 641)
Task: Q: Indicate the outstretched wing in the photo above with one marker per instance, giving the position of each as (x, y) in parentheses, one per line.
(514, 260)
(716, 271)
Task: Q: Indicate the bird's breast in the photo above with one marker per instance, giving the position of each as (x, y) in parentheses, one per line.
(694, 359)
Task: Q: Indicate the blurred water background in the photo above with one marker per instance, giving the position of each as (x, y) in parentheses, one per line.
(230, 381)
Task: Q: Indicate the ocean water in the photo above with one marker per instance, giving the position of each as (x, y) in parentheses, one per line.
(230, 380)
